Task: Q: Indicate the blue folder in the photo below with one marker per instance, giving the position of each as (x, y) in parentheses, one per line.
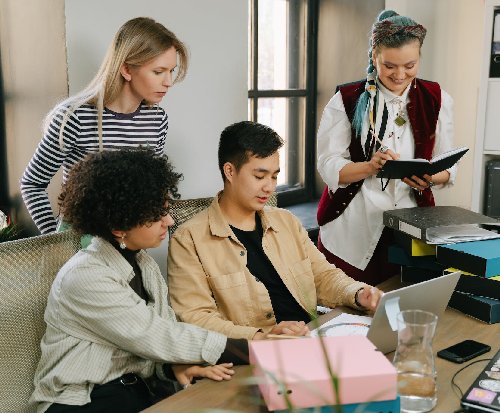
(397, 255)
(477, 257)
(384, 406)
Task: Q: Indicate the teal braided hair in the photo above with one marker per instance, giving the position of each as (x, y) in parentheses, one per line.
(389, 30)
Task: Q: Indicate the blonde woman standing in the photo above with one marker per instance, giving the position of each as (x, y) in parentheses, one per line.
(118, 109)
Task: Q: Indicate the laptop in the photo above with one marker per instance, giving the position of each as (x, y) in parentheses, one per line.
(484, 394)
(431, 295)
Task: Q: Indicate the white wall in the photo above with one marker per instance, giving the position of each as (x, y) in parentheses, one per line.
(452, 55)
(34, 79)
(335, 41)
(214, 93)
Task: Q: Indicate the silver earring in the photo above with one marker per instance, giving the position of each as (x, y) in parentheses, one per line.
(122, 243)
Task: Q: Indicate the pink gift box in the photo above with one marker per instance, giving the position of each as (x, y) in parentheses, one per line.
(298, 369)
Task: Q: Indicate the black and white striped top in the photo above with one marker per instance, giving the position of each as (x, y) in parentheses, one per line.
(147, 127)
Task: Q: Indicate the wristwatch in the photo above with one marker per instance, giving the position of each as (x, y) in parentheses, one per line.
(356, 298)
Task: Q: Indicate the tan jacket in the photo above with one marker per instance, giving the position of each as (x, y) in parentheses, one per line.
(210, 285)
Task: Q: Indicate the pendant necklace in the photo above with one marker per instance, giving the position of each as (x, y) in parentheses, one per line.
(400, 120)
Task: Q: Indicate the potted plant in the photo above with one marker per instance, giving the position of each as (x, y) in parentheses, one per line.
(8, 230)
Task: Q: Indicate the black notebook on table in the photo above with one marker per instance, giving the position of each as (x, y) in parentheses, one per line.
(484, 394)
(399, 169)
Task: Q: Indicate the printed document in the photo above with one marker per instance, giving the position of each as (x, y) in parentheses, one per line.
(344, 325)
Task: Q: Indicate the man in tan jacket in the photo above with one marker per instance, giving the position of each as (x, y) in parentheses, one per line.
(247, 270)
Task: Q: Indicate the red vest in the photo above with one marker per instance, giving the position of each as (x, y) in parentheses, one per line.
(423, 111)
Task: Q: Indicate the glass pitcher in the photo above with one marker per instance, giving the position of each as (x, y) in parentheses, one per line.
(414, 361)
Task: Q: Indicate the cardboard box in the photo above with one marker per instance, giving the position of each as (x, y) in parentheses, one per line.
(477, 257)
(297, 370)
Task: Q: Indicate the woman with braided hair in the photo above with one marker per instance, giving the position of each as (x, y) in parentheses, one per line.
(391, 114)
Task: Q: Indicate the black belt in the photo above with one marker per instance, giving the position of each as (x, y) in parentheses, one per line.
(128, 379)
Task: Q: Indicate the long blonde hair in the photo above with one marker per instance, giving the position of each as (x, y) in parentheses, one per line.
(137, 42)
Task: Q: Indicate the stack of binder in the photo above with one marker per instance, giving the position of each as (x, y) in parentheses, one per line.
(416, 258)
(478, 291)
(421, 258)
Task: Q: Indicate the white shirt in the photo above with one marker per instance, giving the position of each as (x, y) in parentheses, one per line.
(354, 235)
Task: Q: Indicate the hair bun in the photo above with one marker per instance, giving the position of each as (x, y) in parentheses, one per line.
(385, 14)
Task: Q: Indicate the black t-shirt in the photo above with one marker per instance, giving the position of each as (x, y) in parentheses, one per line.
(136, 281)
(285, 307)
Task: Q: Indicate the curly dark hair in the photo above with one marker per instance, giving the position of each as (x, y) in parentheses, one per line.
(241, 140)
(118, 190)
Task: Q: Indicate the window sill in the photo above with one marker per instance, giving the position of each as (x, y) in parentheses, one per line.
(306, 213)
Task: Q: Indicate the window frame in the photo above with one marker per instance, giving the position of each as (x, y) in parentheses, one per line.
(4, 192)
(290, 195)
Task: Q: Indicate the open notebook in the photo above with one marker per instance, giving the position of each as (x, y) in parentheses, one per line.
(399, 169)
(432, 295)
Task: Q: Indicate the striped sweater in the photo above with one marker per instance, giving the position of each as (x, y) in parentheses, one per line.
(147, 127)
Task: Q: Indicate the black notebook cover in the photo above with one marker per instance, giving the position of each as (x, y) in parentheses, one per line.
(415, 221)
(399, 169)
(484, 394)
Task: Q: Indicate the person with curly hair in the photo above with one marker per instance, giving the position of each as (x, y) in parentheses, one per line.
(391, 114)
(112, 341)
(117, 109)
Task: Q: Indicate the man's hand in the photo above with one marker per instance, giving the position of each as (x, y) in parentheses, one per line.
(289, 328)
(369, 297)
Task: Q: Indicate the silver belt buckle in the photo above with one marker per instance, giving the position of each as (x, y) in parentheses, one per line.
(128, 380)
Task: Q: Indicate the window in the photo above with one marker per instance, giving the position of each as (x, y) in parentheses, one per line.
(282, 87)
(4, 193)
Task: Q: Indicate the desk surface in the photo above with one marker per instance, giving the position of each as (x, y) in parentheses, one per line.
(240, 395)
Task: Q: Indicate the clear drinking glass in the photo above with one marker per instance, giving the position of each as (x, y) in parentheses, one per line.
(414, 361)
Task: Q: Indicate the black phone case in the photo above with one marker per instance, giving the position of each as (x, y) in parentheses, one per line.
(448, 355)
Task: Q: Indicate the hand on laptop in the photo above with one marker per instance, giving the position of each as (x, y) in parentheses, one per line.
(369, 297)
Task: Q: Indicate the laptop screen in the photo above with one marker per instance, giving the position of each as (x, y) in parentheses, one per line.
(432, 295)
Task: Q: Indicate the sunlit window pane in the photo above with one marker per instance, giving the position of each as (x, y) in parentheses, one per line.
(281, 44)
(279, 34)
(286, 116)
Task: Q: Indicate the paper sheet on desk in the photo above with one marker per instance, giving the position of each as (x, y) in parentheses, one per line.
(344, 325)
(451, 234)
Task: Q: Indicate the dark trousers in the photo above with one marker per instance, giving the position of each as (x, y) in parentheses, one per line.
(377, 270)
(114, 396)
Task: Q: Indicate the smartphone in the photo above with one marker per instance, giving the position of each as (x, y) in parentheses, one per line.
(463, 351)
